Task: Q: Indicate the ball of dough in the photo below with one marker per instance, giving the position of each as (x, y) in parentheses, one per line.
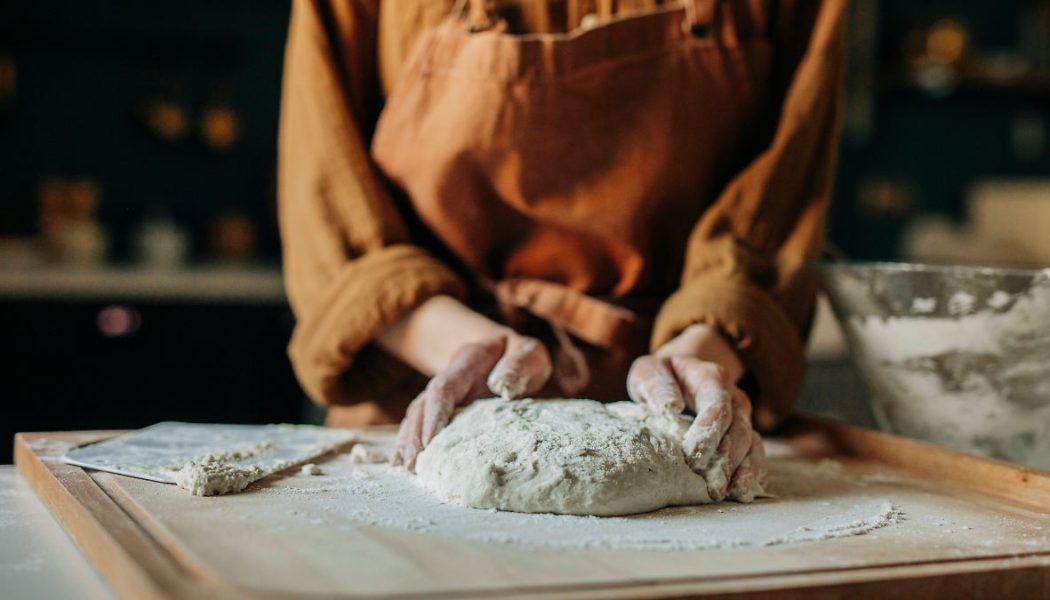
(577, 457)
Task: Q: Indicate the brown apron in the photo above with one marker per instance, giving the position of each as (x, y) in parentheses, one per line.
(565, 171)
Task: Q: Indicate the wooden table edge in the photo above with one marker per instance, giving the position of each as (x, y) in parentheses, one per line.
(133, 564)
(1022, 486)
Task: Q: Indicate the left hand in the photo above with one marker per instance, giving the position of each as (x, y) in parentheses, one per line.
(509, 365)
(698, 371)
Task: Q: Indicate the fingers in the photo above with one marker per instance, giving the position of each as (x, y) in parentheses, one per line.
(439, 400)
(719, 440)
(731, 453)
(740, 432)
(749, 478)
(409, 442)
(708, 394)
(703, 383)
(758, 458)
(743, 487)
(524, 368)
(431, 410)
(651, 382)
(453, 386)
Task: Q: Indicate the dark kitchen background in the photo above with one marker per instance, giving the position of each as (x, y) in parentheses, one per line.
(139, 256)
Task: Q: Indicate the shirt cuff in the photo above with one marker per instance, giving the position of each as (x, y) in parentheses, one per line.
(365, 296)
(769, 344)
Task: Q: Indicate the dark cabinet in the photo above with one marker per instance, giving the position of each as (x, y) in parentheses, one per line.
(100, 365)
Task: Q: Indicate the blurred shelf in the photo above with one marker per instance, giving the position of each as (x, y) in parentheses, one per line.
(219, 284)
(1027, 87)
(255, 285)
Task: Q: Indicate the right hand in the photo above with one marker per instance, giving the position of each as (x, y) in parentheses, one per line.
(509, 365)
(698, 371)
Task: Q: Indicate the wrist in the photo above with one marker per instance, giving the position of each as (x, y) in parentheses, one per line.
(705, 342)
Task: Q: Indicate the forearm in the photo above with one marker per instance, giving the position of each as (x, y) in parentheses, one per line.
(427, 337)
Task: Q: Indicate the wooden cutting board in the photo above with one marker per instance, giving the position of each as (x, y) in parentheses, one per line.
(973, 528)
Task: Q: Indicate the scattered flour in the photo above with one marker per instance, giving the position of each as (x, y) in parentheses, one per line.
(999, 300)
(829, 467)
(49, 450)
(311, 469)
(365, 453)
(887, 514)
(961, 303)
(923, 306)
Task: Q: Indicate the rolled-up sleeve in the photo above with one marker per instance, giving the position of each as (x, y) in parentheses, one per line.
(350, 268)
(746, 265)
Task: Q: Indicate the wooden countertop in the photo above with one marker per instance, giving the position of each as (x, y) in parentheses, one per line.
(37, 558)
(152, 540)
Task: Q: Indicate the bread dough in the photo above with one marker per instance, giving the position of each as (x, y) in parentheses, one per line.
(577, 457)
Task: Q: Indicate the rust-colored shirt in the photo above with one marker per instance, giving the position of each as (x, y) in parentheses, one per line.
(357, 258)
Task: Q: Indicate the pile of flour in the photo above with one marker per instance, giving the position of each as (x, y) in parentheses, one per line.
(219, 472)
(573, 457)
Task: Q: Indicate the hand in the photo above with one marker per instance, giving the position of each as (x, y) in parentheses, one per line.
(721, 443)
(509, 366)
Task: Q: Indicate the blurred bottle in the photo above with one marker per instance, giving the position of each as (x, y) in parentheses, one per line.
(220, 127)
(68, 225)
(161, 243)
(166, 119)
(8, 80)
(233, 238)
(1035, 37)
(935, 55)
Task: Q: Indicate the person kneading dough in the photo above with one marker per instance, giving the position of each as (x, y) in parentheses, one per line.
(517, 199)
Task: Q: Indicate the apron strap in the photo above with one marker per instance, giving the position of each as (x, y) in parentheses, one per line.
(596, 322)
(567, 311)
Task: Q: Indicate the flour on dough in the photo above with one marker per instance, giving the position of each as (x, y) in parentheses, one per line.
(577, 457)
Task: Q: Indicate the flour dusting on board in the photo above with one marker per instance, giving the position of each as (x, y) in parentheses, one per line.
(888, 514)
(815, 500)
